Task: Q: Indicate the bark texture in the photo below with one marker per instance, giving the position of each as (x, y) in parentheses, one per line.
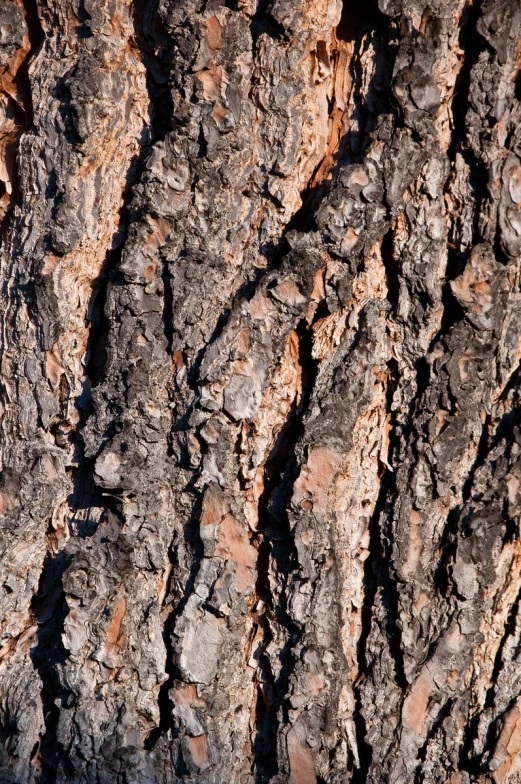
(260, 345)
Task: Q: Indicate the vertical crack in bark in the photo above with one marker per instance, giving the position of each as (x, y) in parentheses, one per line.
(50, 652)
(358, 25)
(99, 324)
(24, 114)
(50, 609)
(281, 473)
(195, 544)
(380, 583)
(263, 22)
(449, 540)
(168, 307)
(469, 761)
(378, 578)
(443, 713)
(474, 763)
(246, 291)
(473, 45)
(509, 630)
(36, 38)
(152, 41)
(354, 23)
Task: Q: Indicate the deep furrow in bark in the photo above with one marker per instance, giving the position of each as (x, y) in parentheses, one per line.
(25, 121)
(378, 577)
(36, 38)
(263, 22)
(283, 455)
(193, 539)
(153, 44)
(453, 312)
(313, 192)
(443, 713)
(151, 36)
(498, 662)
(246, 292)
(49, 609)
(472, 44)
(469, 761)
(86, 493)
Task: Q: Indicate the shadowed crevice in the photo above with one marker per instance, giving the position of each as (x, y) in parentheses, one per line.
(276, 545)
(50, 609)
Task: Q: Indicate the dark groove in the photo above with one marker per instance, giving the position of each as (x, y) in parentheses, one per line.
(36, 39)
(482, 453)
(472, 763)
(154, 44)
(358, 18)
(50, 652)
(23, 117)
(194, 543)
(443, 714)
(263, 23)
(50, 609)
(85, 494)
(378, 577)
(447, 549)
(168, 306)
(472, 44)
(509, 631)
(304, 219)
(391, 272)
(453, 312)
(276, 542)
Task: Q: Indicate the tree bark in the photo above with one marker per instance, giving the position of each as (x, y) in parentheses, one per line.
(260, 370)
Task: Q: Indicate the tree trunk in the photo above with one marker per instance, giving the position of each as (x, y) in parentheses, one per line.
(260, 373)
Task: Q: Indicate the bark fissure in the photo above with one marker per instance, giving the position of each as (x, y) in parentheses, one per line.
(473, 45)
(381, 584)
(22, 113)
(86, 493)
(36, 38)
(509, 630)
(49, 609)
(279, 479)
(155, 48)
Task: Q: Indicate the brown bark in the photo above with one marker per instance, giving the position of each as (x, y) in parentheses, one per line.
(260, 369)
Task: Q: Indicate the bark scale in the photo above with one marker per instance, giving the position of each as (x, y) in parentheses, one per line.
(260, 369)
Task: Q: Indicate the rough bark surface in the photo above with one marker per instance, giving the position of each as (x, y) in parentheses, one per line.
(260, 354)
